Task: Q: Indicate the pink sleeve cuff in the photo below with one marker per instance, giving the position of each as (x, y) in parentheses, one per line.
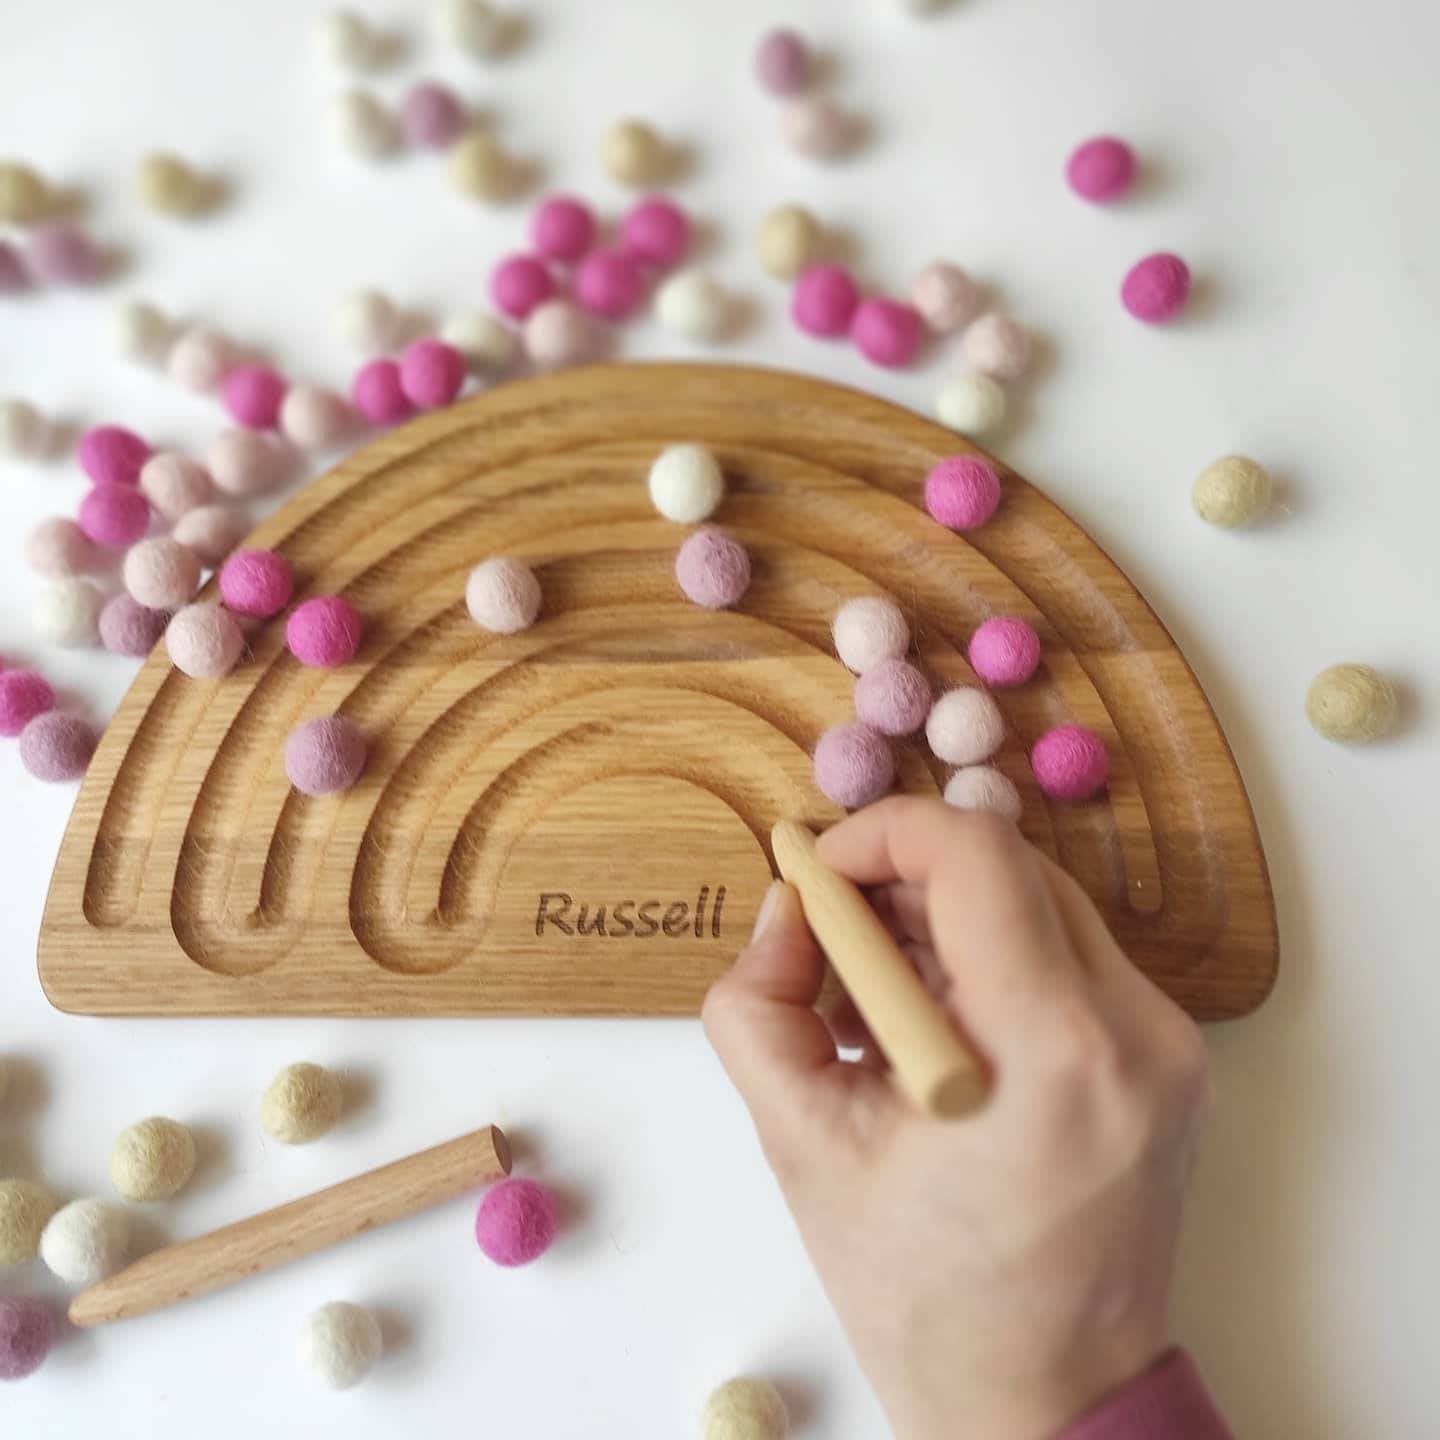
(1167, 1402)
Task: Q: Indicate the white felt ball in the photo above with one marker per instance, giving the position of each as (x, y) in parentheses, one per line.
(363, 126)
(745, 1409)
(85, 1241)
(473, 26)
(67, 613)
(369, 321)
(982, 787)
(302, 1103)
(971, 404)
(965, 726)
(161, 573)
(1352, 703)
(1232, 491)
(692, 304)
(485, 342)
(199, 359)
(996, 345)
(686, 484)
(503, 595)
(23, 431)
(204, 641)
(341, 1344)
(868, 630)
(152, 1159)
(140, 332)
(349, 40)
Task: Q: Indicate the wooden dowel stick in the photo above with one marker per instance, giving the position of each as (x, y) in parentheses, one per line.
(264, 1242)
(930, 1060)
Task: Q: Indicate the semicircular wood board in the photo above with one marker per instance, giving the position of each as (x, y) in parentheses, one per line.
(574, 820)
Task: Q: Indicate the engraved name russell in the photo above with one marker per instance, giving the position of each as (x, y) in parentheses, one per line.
(637, 918)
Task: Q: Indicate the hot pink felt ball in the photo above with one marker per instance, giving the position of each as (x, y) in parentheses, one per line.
(56, 746)
(1101, 169)
(563, 228)
(12, 270)
(23, 696)
(63, 254)
(27, 1331)
(325, 755)
(112, 455)
(431, 115)
(517, 1222)
(656, 232)
(887, 332)
(962, 492)
(378, 394)
(253, 394)
(825, 300)
(1005, 650)
(114, 515)
(1070, 763)
(853, 765)
(432, 373)
(257, 583)
(782, 62)
(609, 283)
(129, 628)
(893, 697)
(519, 283)
(713, 570)
(324, 631)
(1157, 288)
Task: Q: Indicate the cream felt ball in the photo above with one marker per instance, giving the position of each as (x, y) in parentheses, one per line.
(140, 332)
(868, 631)
(946, 297)
(633, 153)
(971, 404)
(152, 1159)
(340, 1344)
(245, 463)
(313, 417)
(85, 1241)
(479, 167)
(686, 484)
(23, 431)
(485, 341)
(25, 1210)
(996, 345)
(162, 574)
(211, 531)
(503, 595)
(893, 697)
(516, 1222)
(325, 755)
(713, 569)
(350, 40)
(67, 613)
(474, 26)
(1352, 703)
(982, 787)
(788, 241)
(1232, 492)
(745, 1409)
(167, 184)
(853, 765)
(199, 359)
(174, 484)
(965, 726)
(24, 194)
(27, 1331)
(204, 641)
(58, 547)
(693, 304)
(302, 1103)
(363, 126)
(369, 321)
(56, 747)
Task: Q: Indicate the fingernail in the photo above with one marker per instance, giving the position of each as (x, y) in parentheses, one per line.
(768, 907)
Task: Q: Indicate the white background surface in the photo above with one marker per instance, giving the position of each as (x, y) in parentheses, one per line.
(1292, 155)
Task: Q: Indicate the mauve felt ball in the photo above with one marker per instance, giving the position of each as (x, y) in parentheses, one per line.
(853, 765)
(204, 641)
(243, 462)
(129, 628)
(893, 697)
(27, 1331)
(519, 283)
(609, 283)
(1070, 763)
(517, 1222)
(656, 232)
(713, 570)
(431, 115)
(962, 492)
(253, 395)
(563, 228)
(1156, 288)
(503, 595)
(56, 746)
(782, 62)
(325, 631)
(1005, 650)
(1101, 169)
(325, 755)
(378, 394)
(114, 515)
(257, 583)
(886, 332)
(432, 373)
(825, 300)
(112, 455)
(12, 270)
(63, 254)
(23, 696)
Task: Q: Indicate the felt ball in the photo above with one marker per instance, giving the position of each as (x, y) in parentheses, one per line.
(825, 300)
(962, 492)
(686, 484)
(244, 463)
(25, 1209)
(788, 241)
(129, 628)
(24, 195)
(63, 254)
(745, 1409)
(67, 613)
(632, 153)
(140, 332)
(971, 404)
(1352, 703)
(965, 726)
(782, 62)
(1156, 288)
(175, 484)
(609, 283)
(431, 115)
(995, 345)
(114, 515)
(168, 185)
(868, 631)
(432, 373)
(152, 1159)
(161, 573)
(349, 40)
(199, 359)
(112, 455)
(475, 27)
(368, 320)
(23, 696)
(324, 632)
(303, 1102)
(486, 343)
(713, 569)
(13, 275)
(1070, 763)
(211, 531)
(892, 697)
(815, 126)
(1101, 169)
(516, 1222)
(1005, 650)
(340, 1344)
(58, 547)
(23, 431)
(503, 595)
(982, 787)
(27, 1331)
(378, 394)
(258, 583)
(1232, 491)
(886, 332)
(692, 304)
(479, 167)
(519, 283)
(558, 333)
(253, 395)
(946, 297)
(853, 765)
(563, 228)
(85, 1241)
(204, 641)
(325, 755)
(656, 232)
(363, 126)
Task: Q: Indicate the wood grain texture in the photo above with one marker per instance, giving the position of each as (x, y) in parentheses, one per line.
(629, 748)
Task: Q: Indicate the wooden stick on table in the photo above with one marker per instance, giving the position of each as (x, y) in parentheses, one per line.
(930, 1060)
(264, 1242)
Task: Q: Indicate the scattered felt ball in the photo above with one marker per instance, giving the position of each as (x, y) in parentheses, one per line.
(1232, 491)
(971, 404)
(174, 484)
(782, 62)
(253, 395)
(204, 641)
(893, 697)
(788, 241)
(368, 320)
(516, 1222)
(431, 115)
(302, 1103)
(692, 304)
(140, 332)
(432, 373)
(479, 167)
(25, 1209)
(199, 359)
(825, 300)
(557, 333)
(114, 515)
(563, 228)
(1351, 703)
(609, 283)
(1004, 651)
(713, 569)
(349, 40)
(325, 631)
(633, 153)
(211, 531)
(475, 27)
(868, 631)
(23, 695)
(815, 126)
(112, 455)
(996, 345)
(63, 254)
(519, 283)
(745, 1409)
(58, 547)
(129, 628)
(686, 484)
(656, 232)
(23, 431)
(27, 1331)
(379, 395)
(962, 492)
(853, 765)
(1101, 169)
(886, 332)
(13, 275)
(243, 462)
(340, 1344)
(946, 297)
(982, 787)
(1157, 288)
(85, 1241)
(257, 583)
(152, 1159)
(487, 343)
(325, 755)
(502, 595)
(67, 613)
(169, 185)
(161, 573)
(363, 126)
(965, 726)
(313, 417)
(24, 195)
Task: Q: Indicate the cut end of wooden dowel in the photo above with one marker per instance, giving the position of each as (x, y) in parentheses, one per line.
(957, 1095)
(502, 1149)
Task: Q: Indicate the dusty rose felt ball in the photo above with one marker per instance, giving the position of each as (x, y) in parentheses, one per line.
(56, 746)
(713, 569)
(962, 492)
(1005, 650)
(27, 1331)
(656, 232)
(204, 641)
(63, 254)
(324, 632)
(129, 628)
(253, 395)
(517, 1222)
(257, 583)
(377, 393)
(1070, 763)
(431, 115)
(782, 62)
(114, 515)
(12, 269)
(325, 755)
(23, 696)
(1156, 288)
(946, 297)
(112, 455)
(432, 373)
(886, 332)
(853, 765)
(998, 346)
(825, 300)
(893, 697)
(563, 228)
(609, 283)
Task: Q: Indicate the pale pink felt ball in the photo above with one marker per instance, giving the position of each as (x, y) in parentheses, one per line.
(825, 300)
(965, 726)
(432, 373)
(204, 641)
(314, 418)
(112, 455)
(58, 547)
(893, 697)
(378, 394)
(519, 283)
(23, 696)
(815, 125)
(868, 631)
(853, 765)
(257, 583)
(114, 515)
(517, 1222)
(27, 1332)
(713, 569)
(129, 628)
(253, 395)
(563, 228)
(63, 254)
(1070, 763)
(175, 484)
(324, 632)
(1005, 650)
(982, 787)
(1156, 288)
(782, 62)
(503, 595)
(962, 492)
(244, 463)
(161, 573)
(946, 297)
(325, 755)
(656, 232)
(431, 115)
(886, 332)
(199, 359)
(997, 346)
(56, 746)
(609, 283)
(558, 333)
(13, 277)
(1101, 169)
(211, 531)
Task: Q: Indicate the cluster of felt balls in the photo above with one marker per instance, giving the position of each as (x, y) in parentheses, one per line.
(37, 245)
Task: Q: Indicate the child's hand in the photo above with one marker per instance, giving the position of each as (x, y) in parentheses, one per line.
(999, 1274)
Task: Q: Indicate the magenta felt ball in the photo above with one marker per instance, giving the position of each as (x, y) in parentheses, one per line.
(23, 696)
(431, 115)
(1005, 650)
(129, 628)
(431, 373)
(115, 515)
(563, 228)
(325, 755)
(962, 492)
(63, 254)
(518, 284)
(656, 232)
(258, 583)
(893, 697)
(112, 455)
(853, 765)
(1101, 169)
(56, 746)
(324, 631)
(713, 570)
(378, 394)
(609, 283)
(12, 269)
(1070, 763)
(887, 332)
(782, 62)
(516, 1222)
(27, 1331)
(825, 300)
(253, 394)
(1157, 288)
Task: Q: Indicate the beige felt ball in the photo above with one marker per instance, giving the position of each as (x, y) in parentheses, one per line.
(479, 167)
(23, 431)
(140, 332)
(152, 1159)
(485, 341)
(633, 153)
(1232, 491)
(971, 404)
(788, 241)
(161, 573)
(363, 126)
(745, 1409)
(167, 185)
(348, 39)
(24, 195)
(302, 1104)
(25, 1209)
(85, 1241)
(475, 27)
(1351, 703)
(369, 321)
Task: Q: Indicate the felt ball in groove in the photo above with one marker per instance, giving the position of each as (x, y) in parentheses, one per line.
(204, 641)
(24, 694)
(1232, 492)
(302, 1103)
(211, 531)
(815, 126)
(152, 1159)
(519, 283)
(129, 628)
(25, 1209)
(745, 1409)
(432, 373)
(503, 595)
(479, 168)
(609, 283)
(656, 232)
(516, 1222)
(313, 417)
(971, 404)
(114, 515)
(893, 697)
(563, 228)
(557, 333)
(58, 547)
(161, 573)
(362, 125)
(368, 320)
(713, 569)
(686, 483)
(13, 275)
(199, 359)
(112, 455)
(67, 613)
(379, 395)
(253, 395)
(982, 787)
(85, 1241)
(431, 115)
(788, 241)
(998, 346)
(63, 254)
(1101, 169)
(27, 1331)
(886, 332)
(258, 583)
(1005, 650)
(962, 492)
(946, 297)
(324, 631)
(853, 765)
(782, 62)
(486, 342)
(691, 303)
(1070, 763)
(1351, 703)
(325, 755)
(868, 631)
(965, 726)
(24, 195)
(174, 484)
(23, 431)
(140, 332)
(1156, 288)
(633, 153)
(475, 27)
(825, 300)
(340, 1344)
